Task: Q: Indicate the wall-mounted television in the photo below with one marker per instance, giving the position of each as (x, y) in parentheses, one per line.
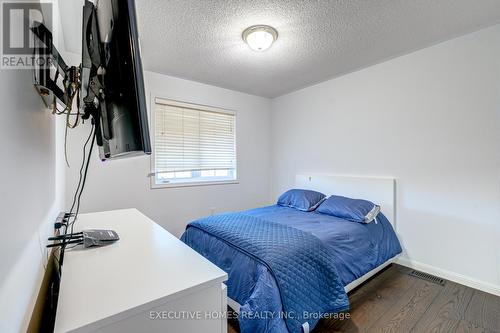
(112, 84)
(109, 81)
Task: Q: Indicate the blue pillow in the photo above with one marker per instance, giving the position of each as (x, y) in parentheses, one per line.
(305, 200)
(355, 210)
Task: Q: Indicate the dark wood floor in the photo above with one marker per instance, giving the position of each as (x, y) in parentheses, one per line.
(394, 301)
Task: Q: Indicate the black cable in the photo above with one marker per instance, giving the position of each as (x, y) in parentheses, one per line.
(92, 133)
(79, 190)
(76, 241)
(83, 182)
(68, 236)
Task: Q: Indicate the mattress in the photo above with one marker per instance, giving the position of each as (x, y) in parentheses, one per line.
(354, 248)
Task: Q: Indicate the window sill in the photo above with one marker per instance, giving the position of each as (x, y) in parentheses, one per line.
(192, 184)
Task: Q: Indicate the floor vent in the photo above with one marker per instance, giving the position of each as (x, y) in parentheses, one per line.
(428, 277)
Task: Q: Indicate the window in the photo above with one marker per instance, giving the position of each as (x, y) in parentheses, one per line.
(193, 144)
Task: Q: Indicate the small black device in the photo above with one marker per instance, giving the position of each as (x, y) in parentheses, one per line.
(87, 238)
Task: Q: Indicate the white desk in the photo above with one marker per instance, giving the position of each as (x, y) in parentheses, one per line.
(115, 288)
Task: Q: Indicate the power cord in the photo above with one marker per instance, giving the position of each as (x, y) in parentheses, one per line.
(71, 217)
(83, 181)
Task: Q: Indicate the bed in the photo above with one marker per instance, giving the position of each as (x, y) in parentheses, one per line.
(316, 258)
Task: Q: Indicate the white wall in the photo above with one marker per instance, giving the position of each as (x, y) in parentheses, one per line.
(31, 192)
(124, 183)
(32, 177)
(432, 120)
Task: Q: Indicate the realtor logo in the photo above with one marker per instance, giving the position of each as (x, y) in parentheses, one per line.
(18, 41)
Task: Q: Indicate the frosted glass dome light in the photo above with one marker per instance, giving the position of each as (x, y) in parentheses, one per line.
(260, 37)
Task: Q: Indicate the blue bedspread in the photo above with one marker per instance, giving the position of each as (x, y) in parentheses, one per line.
(353, 248)
(299, 262)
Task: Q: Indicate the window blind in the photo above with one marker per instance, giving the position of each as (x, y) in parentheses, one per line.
(188, 139)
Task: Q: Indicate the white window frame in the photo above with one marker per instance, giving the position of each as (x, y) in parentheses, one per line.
(180, 183)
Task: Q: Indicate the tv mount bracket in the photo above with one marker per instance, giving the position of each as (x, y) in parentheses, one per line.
(48, 87)
(86, 80)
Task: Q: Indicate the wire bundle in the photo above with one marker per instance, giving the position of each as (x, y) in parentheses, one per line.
(76, 238)
(75, 206)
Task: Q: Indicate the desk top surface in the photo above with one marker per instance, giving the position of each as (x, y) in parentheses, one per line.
(147, 267)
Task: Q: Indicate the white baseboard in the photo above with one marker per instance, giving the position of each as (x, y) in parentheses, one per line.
(452, 276)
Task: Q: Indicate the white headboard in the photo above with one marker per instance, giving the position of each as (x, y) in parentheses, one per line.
(379, 190)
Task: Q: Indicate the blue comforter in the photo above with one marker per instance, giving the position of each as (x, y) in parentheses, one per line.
(353, 250)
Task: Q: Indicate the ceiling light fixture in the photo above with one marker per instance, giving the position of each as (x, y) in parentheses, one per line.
(260, 37)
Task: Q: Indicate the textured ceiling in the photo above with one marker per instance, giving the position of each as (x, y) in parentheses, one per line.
(201, 39)
(318, 39)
